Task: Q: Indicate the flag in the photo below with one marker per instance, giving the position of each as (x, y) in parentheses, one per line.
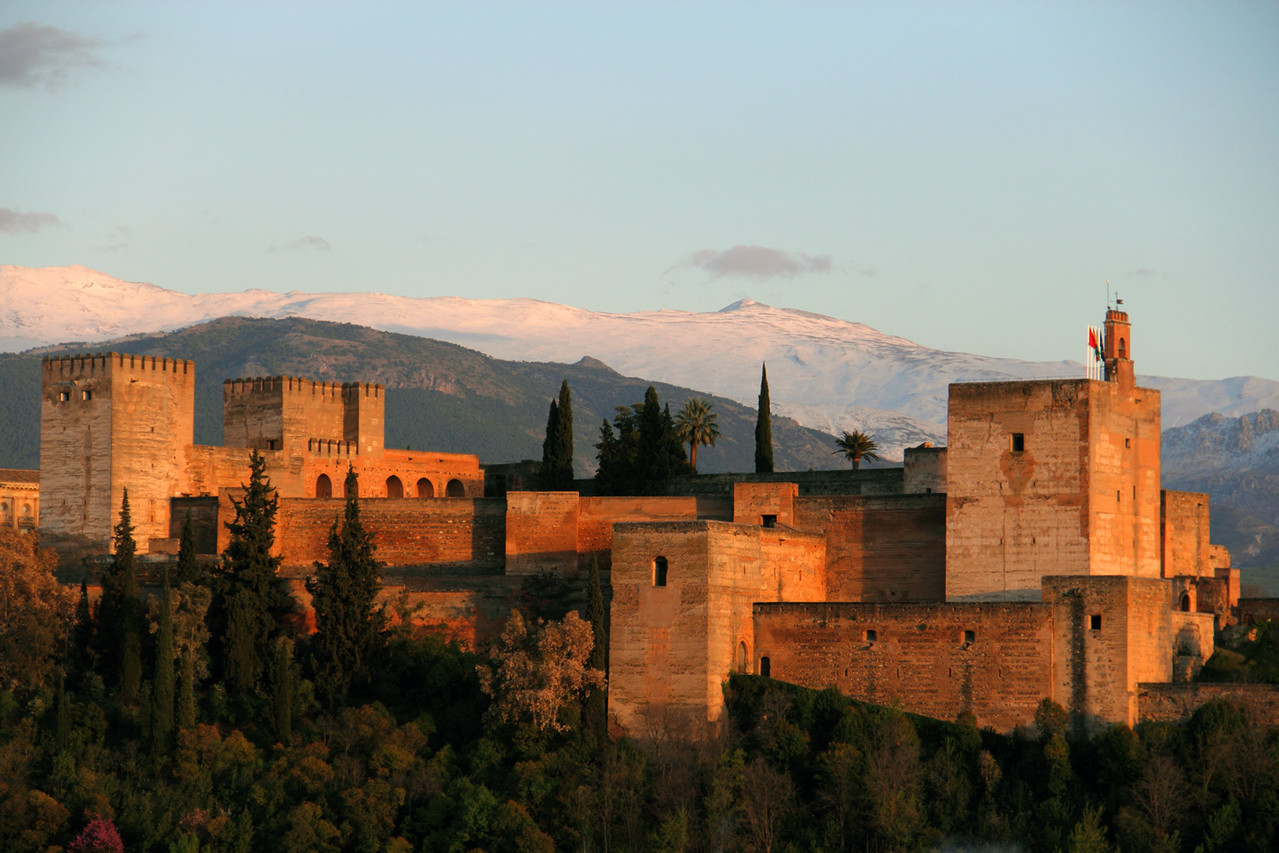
(1094, 343)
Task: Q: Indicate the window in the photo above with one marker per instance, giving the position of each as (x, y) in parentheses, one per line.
(64, 396)
(1185, 602)
(1127, 442)
(659, 571)
(967, 638)
(86, 394)
(425, 489)
(870, 636)
(741, 657)
(1094, 622)
(1123, 348)
(764, 667)
(769, 520)
(455, 489)
(1018, 443)
(323, 486)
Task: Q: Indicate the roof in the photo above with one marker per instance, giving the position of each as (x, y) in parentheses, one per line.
(18, 475)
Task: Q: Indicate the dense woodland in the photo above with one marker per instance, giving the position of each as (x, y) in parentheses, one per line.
(204, 717)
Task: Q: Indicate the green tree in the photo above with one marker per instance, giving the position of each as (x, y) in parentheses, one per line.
(119, 643)
(696, 425)
(856, 446)
(251, 600)
(35, 612)
(350, 627)
(188, 568)
(162, 680)
(764, 427)
(557, 449)
(644, 454)
(597, 616)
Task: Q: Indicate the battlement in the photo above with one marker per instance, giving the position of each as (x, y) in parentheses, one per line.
(332, 447)
(74, 366)
(297, 385)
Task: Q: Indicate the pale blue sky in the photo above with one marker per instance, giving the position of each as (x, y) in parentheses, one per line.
(967, 175)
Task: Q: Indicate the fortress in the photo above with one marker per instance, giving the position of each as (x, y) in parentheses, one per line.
(1035, 556)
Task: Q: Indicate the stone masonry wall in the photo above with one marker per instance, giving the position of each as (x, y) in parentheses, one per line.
(880, 548)
(541, 533)
(917, 654)
(596, 517)
(1176, 702)
(1184, 528)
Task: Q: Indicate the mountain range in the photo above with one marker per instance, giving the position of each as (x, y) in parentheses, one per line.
(826, 373)
(1221, 437)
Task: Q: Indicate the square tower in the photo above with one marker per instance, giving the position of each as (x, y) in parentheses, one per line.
(111, 422)
(1057, 477)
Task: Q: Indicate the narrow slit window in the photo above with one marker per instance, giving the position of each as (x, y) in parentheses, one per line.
(1018, 443)
(764, 667)
(1094, 622)
(659, 571)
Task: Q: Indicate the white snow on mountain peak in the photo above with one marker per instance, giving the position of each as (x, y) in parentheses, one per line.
(828, 373)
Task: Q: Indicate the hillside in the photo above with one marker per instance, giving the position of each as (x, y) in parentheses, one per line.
(439, 395)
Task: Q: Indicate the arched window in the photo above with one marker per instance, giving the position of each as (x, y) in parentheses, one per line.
(323, 487)
(394, 488)
(740, 663)
(1185, 602)
(425, 489)
(455, 489)
(659, 571)
(765, 668)
(1123, 349)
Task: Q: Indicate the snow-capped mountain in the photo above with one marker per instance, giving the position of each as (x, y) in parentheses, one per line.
(827, 373)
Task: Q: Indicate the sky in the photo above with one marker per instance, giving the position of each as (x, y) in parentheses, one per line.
(967, 175)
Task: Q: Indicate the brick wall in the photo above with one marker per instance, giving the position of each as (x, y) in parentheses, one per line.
(596, 517)
(890, 548)
(918, 655)
(1176, 702)
(541, 533)
(465, 534)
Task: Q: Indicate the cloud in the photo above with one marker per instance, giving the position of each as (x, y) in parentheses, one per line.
(15, 222)
(756, 262)
(302, 244)
(34, 55)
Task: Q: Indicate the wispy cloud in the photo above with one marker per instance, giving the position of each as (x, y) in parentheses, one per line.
(17, 222)
(302, 244)
(35, 55)
(756, 262)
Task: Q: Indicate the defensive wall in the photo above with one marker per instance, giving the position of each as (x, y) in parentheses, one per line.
(1170, 703)
(993, 660)
(681, 613)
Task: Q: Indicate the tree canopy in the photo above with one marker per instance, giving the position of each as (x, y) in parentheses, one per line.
(764, 427)
(696, 425)
(856, 446)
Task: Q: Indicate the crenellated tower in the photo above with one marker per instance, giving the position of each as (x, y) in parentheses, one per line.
(110, 422)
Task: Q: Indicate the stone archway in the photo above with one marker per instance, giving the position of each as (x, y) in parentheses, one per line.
(323, 486)
(425, 489)
(455, 489)
(394, 488)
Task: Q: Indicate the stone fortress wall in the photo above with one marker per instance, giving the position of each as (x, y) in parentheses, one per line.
(1035, 556)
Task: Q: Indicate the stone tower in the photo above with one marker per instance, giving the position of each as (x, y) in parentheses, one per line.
(1052, 477)
(111, 422)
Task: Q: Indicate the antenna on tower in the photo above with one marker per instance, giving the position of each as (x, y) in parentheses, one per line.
(1107, 294)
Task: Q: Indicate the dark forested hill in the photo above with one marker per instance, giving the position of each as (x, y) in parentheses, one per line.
(439, 395)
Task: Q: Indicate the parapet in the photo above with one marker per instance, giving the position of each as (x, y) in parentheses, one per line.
(296, 385)
(70, 366)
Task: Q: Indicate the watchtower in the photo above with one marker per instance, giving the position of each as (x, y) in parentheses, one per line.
(289, 413)
(111, 422)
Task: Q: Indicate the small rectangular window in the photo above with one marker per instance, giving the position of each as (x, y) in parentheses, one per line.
(1018, 442)
(1127, 442)
(86, 394)
(967, 638)
(769, 520)
(870, 636)
(64, 396)
(659, 571)
(764, 667)
(1094, 621)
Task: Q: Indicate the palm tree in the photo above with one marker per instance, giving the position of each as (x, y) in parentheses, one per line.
(857, 445)
(696, 425)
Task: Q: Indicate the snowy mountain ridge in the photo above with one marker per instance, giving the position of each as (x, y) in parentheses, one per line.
(827, 373)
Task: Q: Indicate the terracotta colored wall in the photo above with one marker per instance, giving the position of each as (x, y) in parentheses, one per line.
(465, 534)
(924, 470)
(753, 501)
(1183, 518)
(671, 646)
(880, 548)
(1176, 702)
(918, 657)
(596, 517)
(1096, 670)
(541, 533)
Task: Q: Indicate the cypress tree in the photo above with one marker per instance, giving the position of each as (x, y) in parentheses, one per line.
(162, 680)
(350, 628)
(557, 449)
(251, 600)
(596, 614)
(188, 568)
(186, 691)
(119, 644)
(764, 428)
(82, 652)
(283, 677)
